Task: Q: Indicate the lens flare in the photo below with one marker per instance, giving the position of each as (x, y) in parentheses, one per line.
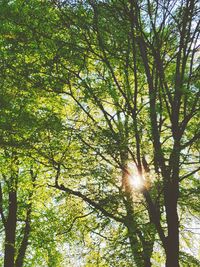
(135, 180)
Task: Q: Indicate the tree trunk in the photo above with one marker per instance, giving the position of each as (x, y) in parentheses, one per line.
(10, 230)
(147, 262)
(23, 247)
(142, 257)
(24, 244)
(172, 244)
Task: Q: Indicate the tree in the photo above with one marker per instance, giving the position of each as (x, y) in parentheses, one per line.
(125, 74)
(147, 67)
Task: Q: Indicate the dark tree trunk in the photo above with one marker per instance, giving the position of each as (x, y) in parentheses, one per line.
(172, 244)
(147, 262)
(10, 229)
(24, 244)
(27, 229)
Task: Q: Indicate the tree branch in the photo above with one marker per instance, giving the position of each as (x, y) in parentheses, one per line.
(89, 201)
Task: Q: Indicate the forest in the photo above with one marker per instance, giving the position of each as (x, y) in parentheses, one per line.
(99, 133)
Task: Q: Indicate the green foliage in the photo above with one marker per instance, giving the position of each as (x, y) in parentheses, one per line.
(88, 89)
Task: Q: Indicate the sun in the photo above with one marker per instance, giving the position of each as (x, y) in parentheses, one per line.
(135, 180)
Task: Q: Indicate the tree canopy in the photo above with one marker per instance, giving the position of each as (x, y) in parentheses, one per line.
(99, 133)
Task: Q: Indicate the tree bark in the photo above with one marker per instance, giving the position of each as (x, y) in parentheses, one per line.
(171, 203)
(22, 250)
(10, 230)
(172, 249)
